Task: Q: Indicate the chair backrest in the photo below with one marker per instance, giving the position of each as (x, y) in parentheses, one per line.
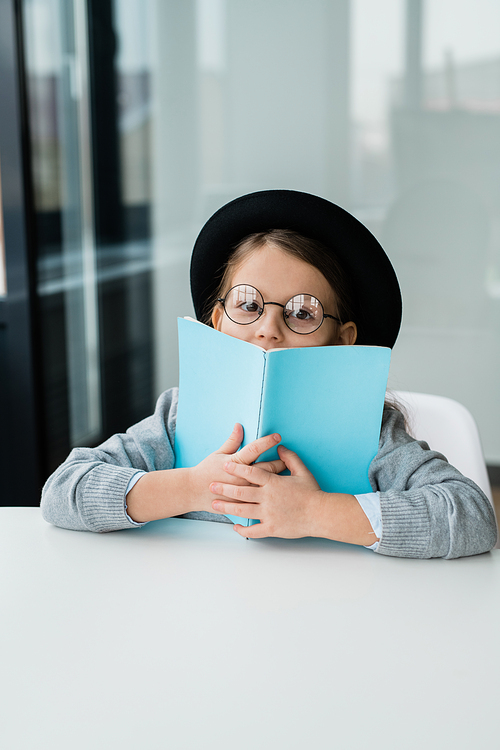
(449, 428)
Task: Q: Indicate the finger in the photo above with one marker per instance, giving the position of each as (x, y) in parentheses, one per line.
(239, 493)
(255, 531)
(252, 474)
(242, 510)
(234, 440)
(233, 479)
(253, 450)
(238, 481)
(292, 462)
(273, 467)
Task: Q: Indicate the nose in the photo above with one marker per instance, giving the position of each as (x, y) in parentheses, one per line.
(270, 327)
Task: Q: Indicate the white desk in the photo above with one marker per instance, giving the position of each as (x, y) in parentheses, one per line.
(184, 635)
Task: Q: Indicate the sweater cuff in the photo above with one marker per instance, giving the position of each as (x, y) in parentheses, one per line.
(104, 499)
(406, 528)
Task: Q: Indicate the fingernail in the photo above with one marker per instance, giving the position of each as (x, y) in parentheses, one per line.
(214, 488)
(227, 465)
(276, 438)
(216, 505)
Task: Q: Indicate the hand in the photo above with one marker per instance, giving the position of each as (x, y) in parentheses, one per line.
(211, 469)
(286, 507)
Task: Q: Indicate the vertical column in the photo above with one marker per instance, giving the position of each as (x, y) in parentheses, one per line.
(176, 115)
(3, 275)
(176, 173)
(338, 103)
(79, 248)
(413, 54)
(20, 457)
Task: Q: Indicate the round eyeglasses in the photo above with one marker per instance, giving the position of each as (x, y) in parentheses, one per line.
(303, 313)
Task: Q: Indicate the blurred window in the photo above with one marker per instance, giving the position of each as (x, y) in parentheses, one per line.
(148, 115)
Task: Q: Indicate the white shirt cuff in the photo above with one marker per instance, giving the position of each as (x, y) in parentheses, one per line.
(370, 505)
(133, 481)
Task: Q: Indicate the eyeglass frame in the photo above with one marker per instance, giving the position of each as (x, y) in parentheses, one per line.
(222, 300)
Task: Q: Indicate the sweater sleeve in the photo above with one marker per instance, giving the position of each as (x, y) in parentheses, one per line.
(87, 492)
(429, 509)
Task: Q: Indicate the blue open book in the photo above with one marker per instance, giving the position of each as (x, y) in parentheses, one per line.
(326, 402)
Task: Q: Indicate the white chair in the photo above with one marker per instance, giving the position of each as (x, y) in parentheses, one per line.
(449, 428)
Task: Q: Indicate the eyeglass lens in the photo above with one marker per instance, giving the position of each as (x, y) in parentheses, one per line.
(244, 304)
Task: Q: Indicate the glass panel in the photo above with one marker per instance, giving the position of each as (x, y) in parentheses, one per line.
(428, 181)
(390, 109)
(3, 274)
(90, 149)
(57, 64)
(126, 292)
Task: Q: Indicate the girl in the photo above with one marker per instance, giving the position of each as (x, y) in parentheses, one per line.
(282, 269)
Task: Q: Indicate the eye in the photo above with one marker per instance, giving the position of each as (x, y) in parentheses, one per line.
(301, 314)
(249, 306)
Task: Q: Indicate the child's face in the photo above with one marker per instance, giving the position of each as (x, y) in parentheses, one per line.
(278, 277)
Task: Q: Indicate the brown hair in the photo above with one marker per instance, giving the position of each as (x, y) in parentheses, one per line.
(297, 246)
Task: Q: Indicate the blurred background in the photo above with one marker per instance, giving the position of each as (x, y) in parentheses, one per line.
(137, 119)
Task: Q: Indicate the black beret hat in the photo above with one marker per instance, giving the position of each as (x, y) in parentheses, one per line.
(373, 281)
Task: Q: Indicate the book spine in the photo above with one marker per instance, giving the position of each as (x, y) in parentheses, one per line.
(261, 399)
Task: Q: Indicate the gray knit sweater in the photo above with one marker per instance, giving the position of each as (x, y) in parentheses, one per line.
(428, 508)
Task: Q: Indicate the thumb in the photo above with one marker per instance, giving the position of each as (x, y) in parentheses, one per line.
(296, 467)
(234, 440)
